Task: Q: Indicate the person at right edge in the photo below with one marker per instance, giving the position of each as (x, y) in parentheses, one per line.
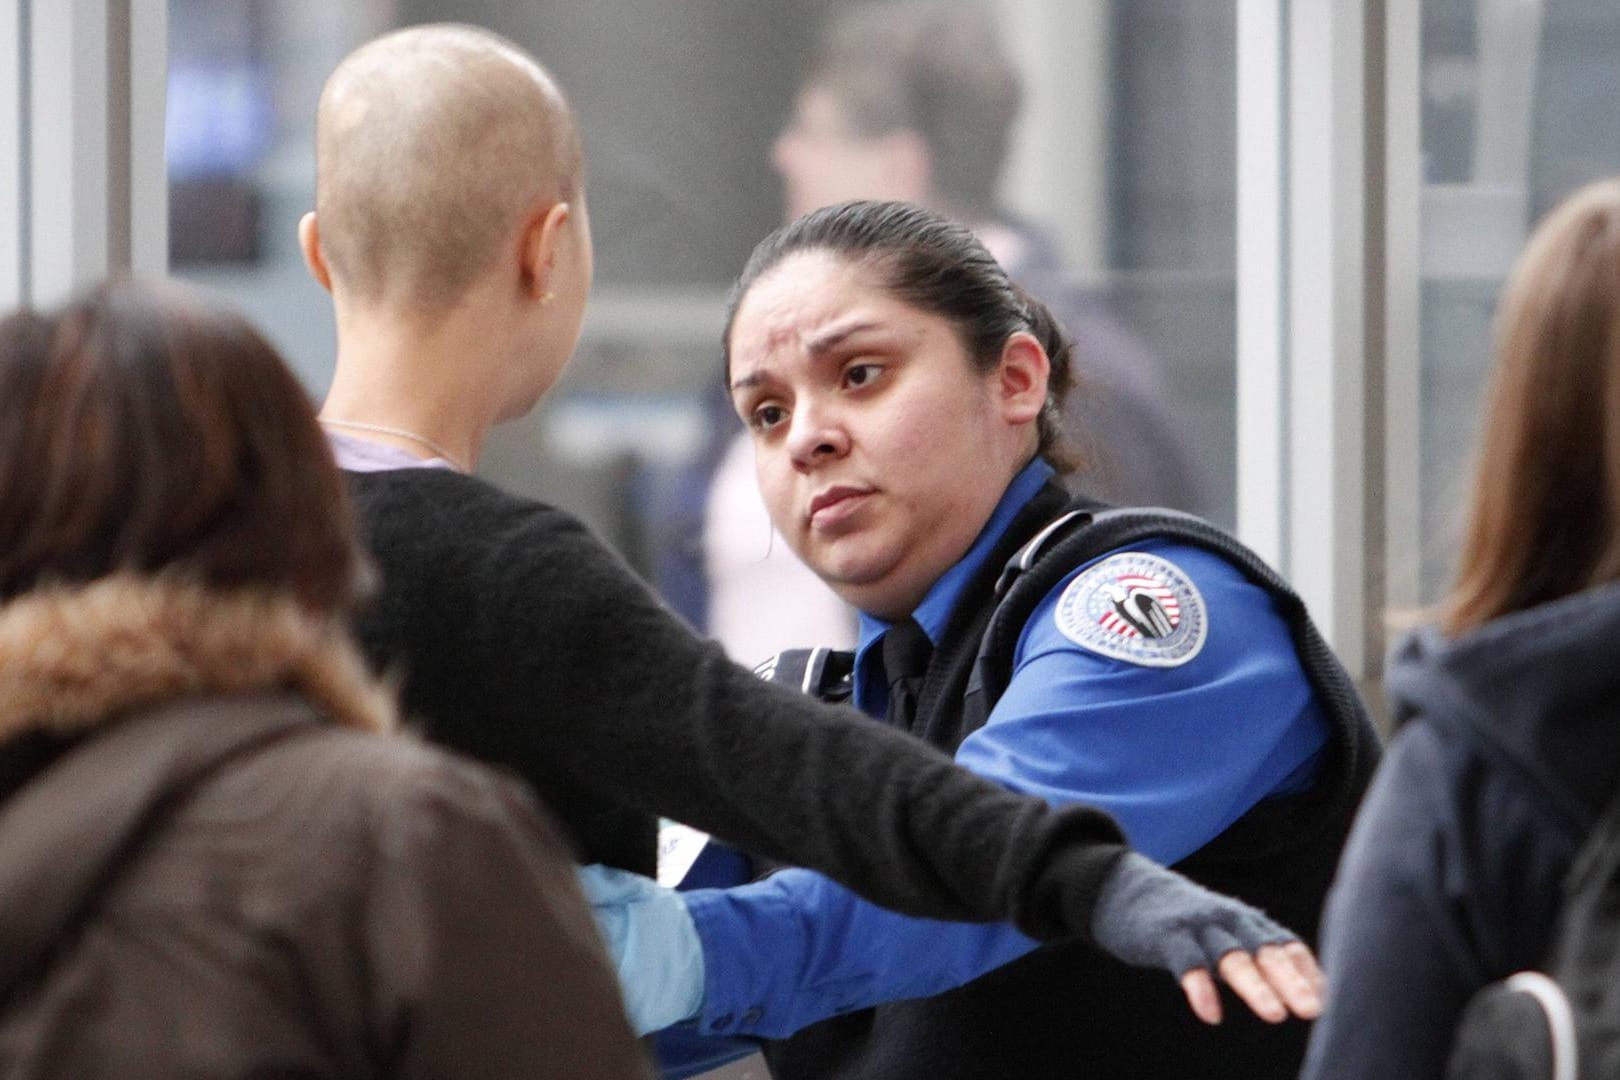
(1508, 745)
(450, 226)
(902, 395)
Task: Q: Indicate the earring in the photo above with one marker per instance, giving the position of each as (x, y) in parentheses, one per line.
(547, 297)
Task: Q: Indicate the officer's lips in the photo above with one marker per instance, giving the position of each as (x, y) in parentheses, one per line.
(835, 505)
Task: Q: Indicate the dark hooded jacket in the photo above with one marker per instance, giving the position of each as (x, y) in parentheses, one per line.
(210, 872)
(1508, 751)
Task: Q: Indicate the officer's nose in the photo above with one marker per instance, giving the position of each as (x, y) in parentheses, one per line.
(815, 436)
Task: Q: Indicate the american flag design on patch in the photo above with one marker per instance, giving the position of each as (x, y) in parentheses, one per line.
(1144, 606)
(1135, 607)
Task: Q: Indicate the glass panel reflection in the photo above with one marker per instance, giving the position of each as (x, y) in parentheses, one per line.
(1119, 177)
(1517, 101)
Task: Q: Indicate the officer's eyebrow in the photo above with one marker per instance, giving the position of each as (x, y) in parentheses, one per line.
(831, 338)
(817, 346)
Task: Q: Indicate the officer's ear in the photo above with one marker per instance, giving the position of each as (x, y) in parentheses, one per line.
(1021, 377)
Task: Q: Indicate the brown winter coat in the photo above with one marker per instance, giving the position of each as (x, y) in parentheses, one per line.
(231, 875)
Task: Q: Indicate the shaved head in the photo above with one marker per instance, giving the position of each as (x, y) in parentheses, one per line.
(431, 144)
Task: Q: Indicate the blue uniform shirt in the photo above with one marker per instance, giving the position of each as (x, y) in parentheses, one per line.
(1176, 751)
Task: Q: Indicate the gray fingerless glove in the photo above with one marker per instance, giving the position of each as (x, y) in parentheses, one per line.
(1153, 917)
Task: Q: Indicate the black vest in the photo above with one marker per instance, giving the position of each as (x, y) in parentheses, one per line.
(1067, 1010)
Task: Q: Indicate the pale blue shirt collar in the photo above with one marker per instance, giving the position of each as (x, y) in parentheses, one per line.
(354, 454)
(935, 609)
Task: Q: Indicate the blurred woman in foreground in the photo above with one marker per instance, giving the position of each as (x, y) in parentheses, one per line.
(213, 864)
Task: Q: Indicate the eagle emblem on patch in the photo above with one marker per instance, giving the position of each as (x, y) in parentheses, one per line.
(1135, 607)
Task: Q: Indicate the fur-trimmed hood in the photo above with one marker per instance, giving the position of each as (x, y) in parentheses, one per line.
(172, 681)
(74, 657)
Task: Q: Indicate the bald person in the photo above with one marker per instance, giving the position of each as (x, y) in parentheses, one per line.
(450, 228)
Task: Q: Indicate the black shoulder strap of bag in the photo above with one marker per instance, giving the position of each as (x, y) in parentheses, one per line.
(1585, 961)
(1563, 1022)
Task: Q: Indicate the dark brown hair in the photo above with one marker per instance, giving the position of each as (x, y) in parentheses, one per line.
(143, 431)
(936, 265)
(1546, 503)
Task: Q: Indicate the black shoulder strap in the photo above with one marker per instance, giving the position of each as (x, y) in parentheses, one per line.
(825, 674)
(1085, 531)
(1089, 530)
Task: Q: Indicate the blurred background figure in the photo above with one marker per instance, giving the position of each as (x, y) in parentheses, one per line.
(217, 863)
(916, 101)
(1509, 749)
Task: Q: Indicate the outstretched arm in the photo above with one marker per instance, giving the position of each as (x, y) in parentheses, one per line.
(558, 664)
(775, 956)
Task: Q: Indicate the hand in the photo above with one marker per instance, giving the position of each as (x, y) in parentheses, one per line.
(1153, 917)
(1274, 980)
(654, 945)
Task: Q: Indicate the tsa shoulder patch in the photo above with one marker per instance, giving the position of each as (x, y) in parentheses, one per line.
(1135, 607)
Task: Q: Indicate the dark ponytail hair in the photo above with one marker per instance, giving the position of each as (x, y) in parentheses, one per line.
(936, 265)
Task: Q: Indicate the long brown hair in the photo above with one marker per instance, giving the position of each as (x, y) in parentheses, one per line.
(1545, 514)
(144, 431)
